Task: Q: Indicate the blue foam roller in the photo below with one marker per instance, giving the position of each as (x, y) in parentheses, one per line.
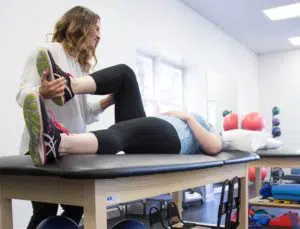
(57, 222)
(287, 197)
(295, 171)
(286, 189)
(129, 223)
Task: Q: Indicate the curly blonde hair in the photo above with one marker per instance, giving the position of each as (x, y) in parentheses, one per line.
(72, 31)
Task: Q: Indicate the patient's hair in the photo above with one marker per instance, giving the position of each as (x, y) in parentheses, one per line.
(72, 30)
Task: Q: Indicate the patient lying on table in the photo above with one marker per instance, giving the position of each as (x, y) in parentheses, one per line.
(171, 133)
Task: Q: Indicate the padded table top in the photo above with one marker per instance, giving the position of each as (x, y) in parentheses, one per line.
(280, 152)
(113, 166)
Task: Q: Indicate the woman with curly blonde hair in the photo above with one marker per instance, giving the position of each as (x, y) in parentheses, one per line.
(75, 39)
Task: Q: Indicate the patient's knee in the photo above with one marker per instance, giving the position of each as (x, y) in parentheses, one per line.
(109, 142)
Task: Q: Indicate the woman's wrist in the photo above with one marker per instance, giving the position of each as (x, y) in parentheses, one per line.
(190, 118)
(39, 92)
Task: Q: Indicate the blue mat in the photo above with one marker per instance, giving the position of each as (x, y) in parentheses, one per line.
(286, 189)
(287, 197)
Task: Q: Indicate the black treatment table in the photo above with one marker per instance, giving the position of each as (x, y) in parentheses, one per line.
(98, 181)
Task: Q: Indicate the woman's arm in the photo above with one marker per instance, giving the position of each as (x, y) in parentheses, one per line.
(30, 80)
(210, 142)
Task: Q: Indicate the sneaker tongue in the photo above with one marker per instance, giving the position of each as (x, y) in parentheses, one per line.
(60, 127)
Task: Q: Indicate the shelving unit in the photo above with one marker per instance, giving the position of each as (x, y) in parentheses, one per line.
(257, 201)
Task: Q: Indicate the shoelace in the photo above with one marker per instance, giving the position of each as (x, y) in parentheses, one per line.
(59, 125)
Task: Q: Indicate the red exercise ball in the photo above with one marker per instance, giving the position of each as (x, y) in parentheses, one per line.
(251, 173)
(231, 121)
(253, 121)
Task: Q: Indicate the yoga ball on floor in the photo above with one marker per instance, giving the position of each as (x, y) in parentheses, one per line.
(57, 222)
(129, 223)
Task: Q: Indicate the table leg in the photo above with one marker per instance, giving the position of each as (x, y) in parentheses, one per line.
(95, 216)
(177, 199)
(6, 221)
(244, 203)
(257, 180)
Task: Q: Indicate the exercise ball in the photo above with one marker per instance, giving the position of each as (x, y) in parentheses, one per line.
(276, 122)
(57, 222)
(276, 131)
(231, 122)
(129, 223)
(251, 173)
(253, 121)
(275, 111)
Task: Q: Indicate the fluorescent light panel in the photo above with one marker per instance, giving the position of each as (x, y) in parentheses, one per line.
(295, 41)
(283, 12)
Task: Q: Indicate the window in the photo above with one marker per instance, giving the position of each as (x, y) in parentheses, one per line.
(212, 112)
(161, 84)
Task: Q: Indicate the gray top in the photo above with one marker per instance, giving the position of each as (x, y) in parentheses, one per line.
(189, 144)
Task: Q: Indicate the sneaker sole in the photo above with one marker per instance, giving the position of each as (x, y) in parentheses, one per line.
(42, 64)
(33, 119)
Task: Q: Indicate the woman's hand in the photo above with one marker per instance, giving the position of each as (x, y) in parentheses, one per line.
(179, 114)
(51, 89)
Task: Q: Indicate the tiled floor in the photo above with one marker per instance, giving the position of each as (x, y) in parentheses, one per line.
(197, 212)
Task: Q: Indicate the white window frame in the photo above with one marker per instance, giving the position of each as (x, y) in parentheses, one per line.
(157, 100)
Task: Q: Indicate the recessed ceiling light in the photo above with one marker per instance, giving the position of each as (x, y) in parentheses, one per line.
(295, 40)
(283, 12)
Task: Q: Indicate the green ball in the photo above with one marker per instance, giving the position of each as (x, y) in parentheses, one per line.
(226, 112)
(275, 111)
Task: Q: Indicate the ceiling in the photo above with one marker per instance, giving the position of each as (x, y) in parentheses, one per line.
(245, 22)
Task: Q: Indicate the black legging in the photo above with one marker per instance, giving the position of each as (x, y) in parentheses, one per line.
(121, 80)
(133, 132)
(146, 135)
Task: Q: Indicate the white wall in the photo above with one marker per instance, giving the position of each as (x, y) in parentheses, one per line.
(164, 26)
(279, 85)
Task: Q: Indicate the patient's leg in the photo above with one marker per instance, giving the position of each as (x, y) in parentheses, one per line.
(119, 79)
(138, 136)
(147, 135)
(78, 144)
